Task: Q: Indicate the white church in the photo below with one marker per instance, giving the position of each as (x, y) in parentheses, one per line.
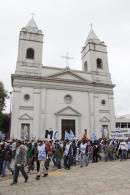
(51, 98)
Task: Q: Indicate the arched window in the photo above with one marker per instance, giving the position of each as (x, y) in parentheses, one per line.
(30, 53)
(85, 66)
(99, 63)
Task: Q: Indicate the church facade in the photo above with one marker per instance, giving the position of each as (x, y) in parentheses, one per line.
(51, 98)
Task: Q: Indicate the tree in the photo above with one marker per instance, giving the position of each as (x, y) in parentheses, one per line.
(3, 96)
(5, 122)
(3, 117)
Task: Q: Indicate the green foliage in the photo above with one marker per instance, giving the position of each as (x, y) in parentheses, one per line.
(5, 122)
(4, 118)
(3, 96)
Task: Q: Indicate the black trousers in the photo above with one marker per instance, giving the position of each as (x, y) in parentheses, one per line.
(16, 173)
(38, 165)
(95, 157)
(1, 166)
(67, 162)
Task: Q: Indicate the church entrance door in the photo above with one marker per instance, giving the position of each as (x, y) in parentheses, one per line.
(67, 125)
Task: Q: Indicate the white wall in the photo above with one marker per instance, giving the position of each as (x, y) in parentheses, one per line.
(55, 102)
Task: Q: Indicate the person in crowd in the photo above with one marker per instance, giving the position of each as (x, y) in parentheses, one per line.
(110, 151)
(124, 148)
(2, 153)
(30, 157)
(114, 150)
(67, 154)
(74, 152)
(77, 154)
(57, 155)
(20, 162)
(42, 156)
(102, 149)
(85, 135)
(54, 154)
(83, 150)
(36, 162)
(119, 150)
(128, 153)
(96, 149)
(7, 160)
(49, 149)
(13, 146)
(105, 148)
(90, 151)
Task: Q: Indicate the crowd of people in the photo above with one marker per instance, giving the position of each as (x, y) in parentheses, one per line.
(30, 156)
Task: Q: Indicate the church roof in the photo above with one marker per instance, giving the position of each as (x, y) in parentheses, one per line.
(92, 37)
(32, 26)
(31, 23)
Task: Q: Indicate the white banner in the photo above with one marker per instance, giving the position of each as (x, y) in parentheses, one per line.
(120, 133)
(69, 135)
(55, 134)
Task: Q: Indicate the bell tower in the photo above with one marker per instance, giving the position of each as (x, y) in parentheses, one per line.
(94, 55)
(30, 49)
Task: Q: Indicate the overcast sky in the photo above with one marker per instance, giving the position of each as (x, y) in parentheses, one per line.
(65, 24)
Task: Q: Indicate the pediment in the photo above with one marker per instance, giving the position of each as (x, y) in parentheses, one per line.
(104, 119)
(25, 117)
(67, 75)
(68, 111)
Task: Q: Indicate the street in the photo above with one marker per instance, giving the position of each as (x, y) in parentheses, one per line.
(104, 178)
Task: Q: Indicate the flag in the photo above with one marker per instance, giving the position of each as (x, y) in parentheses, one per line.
(67, 135)
(71, 135)
(94, 137)
(55, 134)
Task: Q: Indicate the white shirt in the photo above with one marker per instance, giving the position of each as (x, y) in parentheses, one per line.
(83, 148)
(123, 146)
(67, 147)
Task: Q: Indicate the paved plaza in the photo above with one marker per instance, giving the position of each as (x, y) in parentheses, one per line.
(104, 178)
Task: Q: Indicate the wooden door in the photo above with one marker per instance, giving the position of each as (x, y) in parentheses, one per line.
(67, 125)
